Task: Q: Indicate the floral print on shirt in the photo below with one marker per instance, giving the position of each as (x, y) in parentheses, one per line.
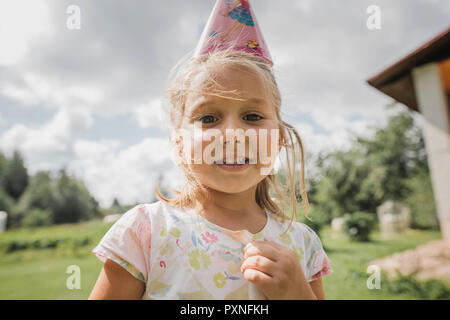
(181, 255)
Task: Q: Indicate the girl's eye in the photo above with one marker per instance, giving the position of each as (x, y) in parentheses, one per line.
(252, 117)
(208, 119)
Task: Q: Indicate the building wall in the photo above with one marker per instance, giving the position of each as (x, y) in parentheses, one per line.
(433, 103)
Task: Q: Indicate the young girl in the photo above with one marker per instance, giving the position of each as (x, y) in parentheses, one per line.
(231, 232)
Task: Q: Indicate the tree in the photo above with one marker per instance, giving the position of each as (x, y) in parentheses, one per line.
(73, 201)
(420, 200)
(3, 169)
(16, 176)
(116, 203)
(6, 202)
(341, 173)
(374, 170)
(396, 150)
(39, 195)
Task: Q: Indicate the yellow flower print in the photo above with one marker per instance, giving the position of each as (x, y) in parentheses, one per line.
(299, 252)
(258, 236)
(166, 249)
(175, 232)
(285, 238)
(199, 258)
(219, 280)
(163, 232)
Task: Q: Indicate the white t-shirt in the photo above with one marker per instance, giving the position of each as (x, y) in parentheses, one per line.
(179, 254)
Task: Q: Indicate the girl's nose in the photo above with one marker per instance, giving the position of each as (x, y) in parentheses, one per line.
(232, 123)
(232, 127)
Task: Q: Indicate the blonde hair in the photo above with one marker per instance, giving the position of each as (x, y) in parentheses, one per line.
(271, 194)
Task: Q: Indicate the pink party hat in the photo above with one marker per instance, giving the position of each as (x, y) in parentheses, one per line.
(233, 24)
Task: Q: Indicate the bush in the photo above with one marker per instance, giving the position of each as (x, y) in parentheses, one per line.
(37, 218)
(359, 225)
(12, 245)
(407, 285)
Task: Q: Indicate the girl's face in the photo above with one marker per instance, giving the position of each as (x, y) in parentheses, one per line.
(227, 172)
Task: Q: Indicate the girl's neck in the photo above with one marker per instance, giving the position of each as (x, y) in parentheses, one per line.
(233, 202)
(235, 207)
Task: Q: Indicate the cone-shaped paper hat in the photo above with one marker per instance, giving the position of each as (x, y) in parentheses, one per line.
(233, 24)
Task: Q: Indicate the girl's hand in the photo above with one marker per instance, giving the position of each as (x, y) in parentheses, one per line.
(276, 271)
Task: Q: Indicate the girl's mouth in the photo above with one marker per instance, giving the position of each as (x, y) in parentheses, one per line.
(234, 165)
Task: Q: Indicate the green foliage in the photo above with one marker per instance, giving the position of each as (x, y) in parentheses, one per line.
(359, 225)
(408, 285)
(73, 201)
(394, 148)
(35, 206)
(420, 201)
(37, 218)
(41, 200)
(382, 167)
(341, 176)
(44, 243)
(316, 219)
(15, 179)
(62, 237)
(3, 169)
(40, 193)
(6, 202)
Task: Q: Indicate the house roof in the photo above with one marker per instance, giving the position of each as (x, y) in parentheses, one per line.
(396, 81)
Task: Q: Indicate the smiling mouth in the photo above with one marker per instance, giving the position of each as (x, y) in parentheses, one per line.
(233, 165)
(233, 162)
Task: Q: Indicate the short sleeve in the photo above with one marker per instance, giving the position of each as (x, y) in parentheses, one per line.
(128, 242)
(318, 264)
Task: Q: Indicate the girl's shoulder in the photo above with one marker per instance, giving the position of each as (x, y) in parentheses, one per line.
(284, 222)
(152, 210)
(298, 230)
(157, 212)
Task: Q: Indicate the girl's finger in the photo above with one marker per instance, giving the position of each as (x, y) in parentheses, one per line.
(273, 244)
(260, 248)
(257, 277)
(259, 263)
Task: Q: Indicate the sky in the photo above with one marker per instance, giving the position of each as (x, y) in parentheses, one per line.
(90, 99)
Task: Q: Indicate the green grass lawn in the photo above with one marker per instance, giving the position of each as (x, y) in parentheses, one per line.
(41, 273)
(350, 259)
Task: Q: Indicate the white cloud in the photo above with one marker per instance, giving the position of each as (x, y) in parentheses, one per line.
(113, 68)
(45, 145)
(41, 89)
(305, 5)
(69, 122)
(128, 173)
(3, 121)
(31, 141)
(20, 22)
(18, 93)
(340, 132)
(151, 115)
